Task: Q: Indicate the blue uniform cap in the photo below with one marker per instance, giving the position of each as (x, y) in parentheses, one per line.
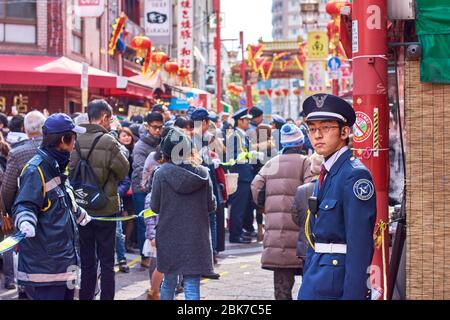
(242, 113)
(190, 110)
(200, 114)
(325, 107)
(256, 112)
(59, 123)
(278, 119)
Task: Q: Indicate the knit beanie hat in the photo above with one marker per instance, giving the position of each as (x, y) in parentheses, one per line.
(175, 138)
(291, 136)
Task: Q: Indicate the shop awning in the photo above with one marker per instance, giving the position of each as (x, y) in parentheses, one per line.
(53, 71)
(203, 98)
(138, 87)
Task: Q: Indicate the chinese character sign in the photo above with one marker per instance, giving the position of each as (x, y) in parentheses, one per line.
(89, 8)
(158, 21)
(185, 34)
(315, 77)
(317, 45)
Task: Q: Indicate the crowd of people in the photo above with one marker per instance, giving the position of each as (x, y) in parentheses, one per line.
(169, 178)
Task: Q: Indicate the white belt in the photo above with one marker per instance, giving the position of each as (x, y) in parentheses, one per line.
(331, 248)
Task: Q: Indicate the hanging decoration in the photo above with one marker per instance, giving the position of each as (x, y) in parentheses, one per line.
(254, 52)
(235, 89)
(185, 77)
(300, 58)
(333, 8)
(269, 93)
(143, 47)
(158, 59)
(278, 93)
(266, 69)
(285, 92)
(261, 92)
(296, 92)
(117, 31)
(171, 67)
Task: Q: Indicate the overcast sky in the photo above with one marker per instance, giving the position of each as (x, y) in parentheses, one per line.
(254, 17)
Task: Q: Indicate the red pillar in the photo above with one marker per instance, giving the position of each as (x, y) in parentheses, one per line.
(371, 132)
(218, 46)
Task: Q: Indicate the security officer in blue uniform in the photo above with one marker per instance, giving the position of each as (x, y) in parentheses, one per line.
(342, 213)
(238, 146)
(46, 212)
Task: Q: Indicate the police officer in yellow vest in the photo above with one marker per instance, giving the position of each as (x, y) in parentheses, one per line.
(342, 213)
(240, 201)
(46, 212)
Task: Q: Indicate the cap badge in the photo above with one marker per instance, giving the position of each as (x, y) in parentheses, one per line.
(320, 100)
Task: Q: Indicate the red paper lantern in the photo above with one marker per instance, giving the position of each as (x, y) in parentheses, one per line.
(277, 93)
(333, 7)
(285, 92)
(269, 92)
(296, 92)
(141, 44)
(183, 72)
(159, 58)
(261, 92)
(143, 47)
(171, 67)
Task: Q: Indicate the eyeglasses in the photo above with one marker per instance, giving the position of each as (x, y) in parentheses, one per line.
(156, 127)
(323, 129)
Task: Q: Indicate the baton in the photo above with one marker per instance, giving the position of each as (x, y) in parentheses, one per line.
(10, 242)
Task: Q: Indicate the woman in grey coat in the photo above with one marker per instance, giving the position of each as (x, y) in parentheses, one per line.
(182, 196)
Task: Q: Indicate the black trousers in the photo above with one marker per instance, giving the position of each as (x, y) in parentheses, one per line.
(241, 207)
(220, 214)
(97, 243)
(60, 292)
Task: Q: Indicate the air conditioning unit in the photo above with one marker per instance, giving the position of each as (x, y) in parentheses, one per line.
(401, 9)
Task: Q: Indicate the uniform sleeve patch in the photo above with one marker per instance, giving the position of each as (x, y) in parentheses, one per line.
(363, 189)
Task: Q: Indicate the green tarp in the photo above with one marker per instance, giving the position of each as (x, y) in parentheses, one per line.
(433, 29)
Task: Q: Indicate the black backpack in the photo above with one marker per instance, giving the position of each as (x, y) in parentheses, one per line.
(88, 192)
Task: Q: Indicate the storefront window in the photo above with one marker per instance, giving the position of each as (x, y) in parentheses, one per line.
(77, 34)
(18, 21)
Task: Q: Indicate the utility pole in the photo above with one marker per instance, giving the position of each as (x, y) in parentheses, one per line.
(218, 46)
(371, 130)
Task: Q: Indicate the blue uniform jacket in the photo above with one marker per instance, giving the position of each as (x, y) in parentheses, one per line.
(346, 215)
(51, 256)
(240, 144)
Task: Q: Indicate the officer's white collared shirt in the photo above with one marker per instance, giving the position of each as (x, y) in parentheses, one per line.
(330, 162)
(242, 131)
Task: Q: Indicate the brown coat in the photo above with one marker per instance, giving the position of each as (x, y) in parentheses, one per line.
(279, 179)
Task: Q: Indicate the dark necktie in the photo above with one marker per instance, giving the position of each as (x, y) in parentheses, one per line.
(322, 175)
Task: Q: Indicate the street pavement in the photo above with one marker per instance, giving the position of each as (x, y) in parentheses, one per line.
(242, 278)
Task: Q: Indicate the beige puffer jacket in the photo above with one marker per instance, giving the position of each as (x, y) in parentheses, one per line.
(280, 178)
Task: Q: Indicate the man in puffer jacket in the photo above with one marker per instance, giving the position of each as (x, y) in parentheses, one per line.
(274, 188)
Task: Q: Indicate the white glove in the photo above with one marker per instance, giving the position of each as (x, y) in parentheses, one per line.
(216, 163)
(28, 229)
(87, 218)
(260, 156)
